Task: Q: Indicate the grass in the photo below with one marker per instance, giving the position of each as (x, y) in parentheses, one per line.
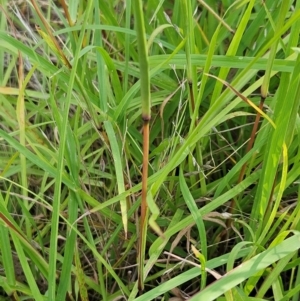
(149, 150)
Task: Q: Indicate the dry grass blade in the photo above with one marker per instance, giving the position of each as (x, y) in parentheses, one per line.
(245, 99)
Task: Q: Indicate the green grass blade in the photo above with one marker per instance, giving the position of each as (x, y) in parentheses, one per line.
(249, 268)
(197, 218)
(60, 167)
(6, 252)
(26, 269)
(119, 170)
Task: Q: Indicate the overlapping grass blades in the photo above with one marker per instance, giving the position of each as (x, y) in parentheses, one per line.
(76, 155)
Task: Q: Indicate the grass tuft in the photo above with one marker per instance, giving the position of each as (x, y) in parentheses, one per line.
(180, 115)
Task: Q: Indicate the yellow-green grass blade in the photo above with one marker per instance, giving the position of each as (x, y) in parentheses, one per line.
(117, 157)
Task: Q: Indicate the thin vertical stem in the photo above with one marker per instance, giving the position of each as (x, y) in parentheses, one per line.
(249, 147)
(146, 116)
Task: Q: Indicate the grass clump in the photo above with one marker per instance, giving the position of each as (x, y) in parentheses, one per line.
(213, 162)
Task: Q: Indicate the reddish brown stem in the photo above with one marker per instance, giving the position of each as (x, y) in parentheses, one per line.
(144, 205)
(50, 34)
(249, 147)
(65, 8)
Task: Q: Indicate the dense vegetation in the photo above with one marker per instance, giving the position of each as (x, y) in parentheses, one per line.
(216, 215)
